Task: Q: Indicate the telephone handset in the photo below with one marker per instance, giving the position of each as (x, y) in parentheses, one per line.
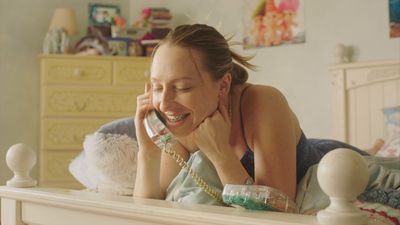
(163, 138)
(157, 130)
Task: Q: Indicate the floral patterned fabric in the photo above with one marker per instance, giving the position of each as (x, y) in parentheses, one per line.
(380, 213)
(388, 197)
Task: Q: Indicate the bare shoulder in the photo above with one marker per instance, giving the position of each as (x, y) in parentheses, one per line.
(259, 96)
(265, 108)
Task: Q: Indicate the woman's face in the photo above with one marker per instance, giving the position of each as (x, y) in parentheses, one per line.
(183, 91)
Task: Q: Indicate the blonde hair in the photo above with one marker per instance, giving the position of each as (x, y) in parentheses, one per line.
(217, 57)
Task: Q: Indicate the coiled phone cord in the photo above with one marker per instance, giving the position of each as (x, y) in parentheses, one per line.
(199, 181)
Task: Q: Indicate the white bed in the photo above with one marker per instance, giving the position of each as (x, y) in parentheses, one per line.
(360, 90)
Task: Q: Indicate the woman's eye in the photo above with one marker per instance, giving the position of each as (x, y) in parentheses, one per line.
(183, 88)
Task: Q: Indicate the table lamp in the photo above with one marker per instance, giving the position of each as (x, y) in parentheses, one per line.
(63, 25)
(64, 18)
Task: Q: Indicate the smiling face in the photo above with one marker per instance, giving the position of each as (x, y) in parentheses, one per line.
(183, 91)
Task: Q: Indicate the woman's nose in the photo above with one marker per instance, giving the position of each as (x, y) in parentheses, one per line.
(167, 98)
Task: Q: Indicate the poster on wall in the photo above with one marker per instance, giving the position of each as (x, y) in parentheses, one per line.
(269, 23)
(394, 17)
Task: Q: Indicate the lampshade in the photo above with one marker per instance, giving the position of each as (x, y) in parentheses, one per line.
(64, 18)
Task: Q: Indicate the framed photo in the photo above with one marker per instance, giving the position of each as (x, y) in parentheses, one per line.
(268, 23)
(118, 46)
(102, 14)
(394, 17)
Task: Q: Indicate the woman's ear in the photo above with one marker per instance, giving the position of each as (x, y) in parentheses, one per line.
(225, 84)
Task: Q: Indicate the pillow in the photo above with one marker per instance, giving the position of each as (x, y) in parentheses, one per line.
(108, 161)
(184, 189)
(391, 148)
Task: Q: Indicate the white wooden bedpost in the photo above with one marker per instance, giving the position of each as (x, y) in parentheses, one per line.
(343, 175)
(339, 114)
(20, 159)
(341, 55)
(11, 212)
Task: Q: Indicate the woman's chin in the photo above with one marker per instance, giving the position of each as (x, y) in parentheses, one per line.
(182, 132)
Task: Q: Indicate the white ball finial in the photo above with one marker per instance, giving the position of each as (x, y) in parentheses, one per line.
(20, 159)
(341, 53)
(343, 175)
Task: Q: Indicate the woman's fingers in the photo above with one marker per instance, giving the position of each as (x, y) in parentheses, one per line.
(149, 94)
(144, 102)
(147, 87)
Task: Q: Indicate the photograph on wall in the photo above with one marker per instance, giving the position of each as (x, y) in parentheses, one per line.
(102, 14)
(394, 17)
(268, 23)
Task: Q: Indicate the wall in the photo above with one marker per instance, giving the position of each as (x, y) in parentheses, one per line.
(22, 30)
(300, 71)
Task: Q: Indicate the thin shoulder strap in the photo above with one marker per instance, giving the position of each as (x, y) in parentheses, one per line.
(241, 116)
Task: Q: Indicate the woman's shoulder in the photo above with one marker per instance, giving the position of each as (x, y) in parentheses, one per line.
(260, 95)
(261, 103)
(263, 108)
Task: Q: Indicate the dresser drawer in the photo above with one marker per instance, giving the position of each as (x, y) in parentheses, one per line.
(64, 133)
(54, 165)
(76, 71)
(86, 101)
(132, 71)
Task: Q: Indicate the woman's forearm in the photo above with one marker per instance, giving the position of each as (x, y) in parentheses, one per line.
(147, 184)
(231, 171)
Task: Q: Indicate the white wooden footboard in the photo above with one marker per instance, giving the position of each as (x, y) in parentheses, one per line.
(66, 207)
(342, 174)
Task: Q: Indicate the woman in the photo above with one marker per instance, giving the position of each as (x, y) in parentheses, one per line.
(247, 131)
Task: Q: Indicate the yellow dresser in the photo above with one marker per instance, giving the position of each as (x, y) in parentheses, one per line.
(78, 95)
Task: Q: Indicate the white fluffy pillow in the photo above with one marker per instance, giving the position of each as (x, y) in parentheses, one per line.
(108, 161)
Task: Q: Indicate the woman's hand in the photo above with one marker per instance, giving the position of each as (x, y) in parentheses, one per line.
(147, 183)
(212, 135)
(143, 107)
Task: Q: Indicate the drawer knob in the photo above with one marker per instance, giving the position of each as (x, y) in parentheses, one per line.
(78, 72)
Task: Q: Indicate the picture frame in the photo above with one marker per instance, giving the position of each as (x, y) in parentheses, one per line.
(102, 14)
(118, 46)
(394, 18)
(273, 23)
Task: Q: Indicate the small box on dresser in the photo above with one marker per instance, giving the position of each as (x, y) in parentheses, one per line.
(78, 95)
